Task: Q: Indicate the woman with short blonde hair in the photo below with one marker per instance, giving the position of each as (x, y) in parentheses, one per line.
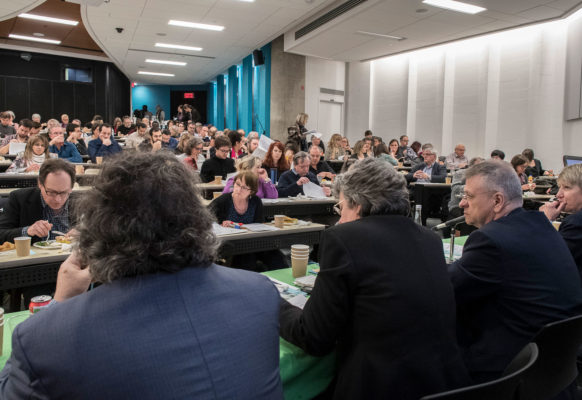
(266, 189)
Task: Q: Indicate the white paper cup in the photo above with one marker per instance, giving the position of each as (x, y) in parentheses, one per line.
(299, 253)
(299, 247)
(22, 244)
(298, 267)
(279, 221)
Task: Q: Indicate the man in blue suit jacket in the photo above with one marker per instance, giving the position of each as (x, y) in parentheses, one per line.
(516, 273)
(166, 323)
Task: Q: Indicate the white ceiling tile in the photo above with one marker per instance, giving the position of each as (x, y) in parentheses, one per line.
(540, 13)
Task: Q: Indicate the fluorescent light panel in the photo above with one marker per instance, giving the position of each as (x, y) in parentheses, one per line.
(196, 25)
(381, 35)
(154, 73)
(178, 46)
(149, 60)
(455, 6)
(49, 19)
(34, 39)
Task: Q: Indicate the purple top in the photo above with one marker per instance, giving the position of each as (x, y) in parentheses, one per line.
(266, 189)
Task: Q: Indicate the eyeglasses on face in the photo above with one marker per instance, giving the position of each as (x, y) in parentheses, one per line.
(241, 187)
(336, 207)
(225, 151)
(54, 193)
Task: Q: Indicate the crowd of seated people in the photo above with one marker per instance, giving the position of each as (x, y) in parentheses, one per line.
(449, 325)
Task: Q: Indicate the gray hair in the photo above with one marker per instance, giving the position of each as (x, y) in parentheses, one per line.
(146, 217)
(35, 115)
(375, 185)
(571, 175)
(300, 156)
(498, 176)
(476, 160)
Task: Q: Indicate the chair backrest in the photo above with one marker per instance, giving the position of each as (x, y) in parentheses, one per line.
(504, 388)
(556, 369)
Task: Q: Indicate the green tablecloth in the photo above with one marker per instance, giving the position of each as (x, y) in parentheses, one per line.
(303, 376)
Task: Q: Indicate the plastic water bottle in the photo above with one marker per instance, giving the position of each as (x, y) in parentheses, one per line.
(273, 173)
(418, 214)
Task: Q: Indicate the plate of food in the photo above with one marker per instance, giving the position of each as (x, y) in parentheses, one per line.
(48, 245)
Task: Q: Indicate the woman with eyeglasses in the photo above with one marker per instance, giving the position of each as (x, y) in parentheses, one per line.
(391, 321)
(193, 152)
(243, 206)
(265, 188)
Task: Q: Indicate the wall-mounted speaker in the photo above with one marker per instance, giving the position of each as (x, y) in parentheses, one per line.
(258, 58)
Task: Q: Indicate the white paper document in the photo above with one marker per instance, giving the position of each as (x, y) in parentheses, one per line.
(260, 227)
(221, 230)
(310, 189)
(16, 148)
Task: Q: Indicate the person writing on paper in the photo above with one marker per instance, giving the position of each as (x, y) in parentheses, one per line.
(159, 285)
(265, 188)
(355, 286)
(275, 159)
(291, 182)
(569, 199)
(519, 164)
(317, 166)
(35, 153)
(21, 136)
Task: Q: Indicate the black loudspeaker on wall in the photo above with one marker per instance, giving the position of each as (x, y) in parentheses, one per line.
(258, 57)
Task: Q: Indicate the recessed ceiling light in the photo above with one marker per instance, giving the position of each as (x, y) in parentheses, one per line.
(196, 25)
(149, 60)
(381, 35)
(34, 39)
(455, 6)
(178, 46)
(154, 73)
(247, 1)
(49, 19)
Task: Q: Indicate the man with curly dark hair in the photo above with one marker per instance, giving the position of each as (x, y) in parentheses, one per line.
(166, 322)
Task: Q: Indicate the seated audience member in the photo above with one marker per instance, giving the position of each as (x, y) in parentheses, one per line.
(64, 121)
(429, 170)
(191, 129)
(346, 146)
(334, 149)
(236, 142)
(516, 273)
(376, 140)
(316, 141)
(457, 159)
(384, 153)
(35, 129)
(6, 128)
(126, 128)
(193, 151)
(458, 187)
(105, 146)
(181, 147)
(416, 147)
(291, 182)
(35, 153)
(253, 144)
(36, 117)
(275, 160)
(519, 164)
(21, 136)
(405, 152)
(497, 155)
(347, 308)
(156, 272)
(265, 188)
(116, 124)
(219, 164)
(368, 134)
(65, 150)
(569, 199)
(534, 166)
(135, 138)
(368, 146)
(290, 151)
(317, 166)
(360, 150)
(74, 136)
(35, 211)
(168, 142)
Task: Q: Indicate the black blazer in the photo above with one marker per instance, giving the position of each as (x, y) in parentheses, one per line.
(24, 208)
(387, 307)
(571, 231)
(439, 173)
(516, 275)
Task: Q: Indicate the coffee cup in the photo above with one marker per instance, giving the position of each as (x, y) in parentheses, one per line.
(299, 247)
(218, 179)
(298, 267)
(79, 170)
(216, 194)
(279, 221)
(448, 180)
(556, 224)
(99, 160)
(22, 244)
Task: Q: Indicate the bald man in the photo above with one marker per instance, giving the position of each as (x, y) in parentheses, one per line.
(457, 159)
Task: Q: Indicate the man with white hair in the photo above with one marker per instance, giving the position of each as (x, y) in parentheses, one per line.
(429, 170)
(457, 159)
(36, 117)
(504, 292)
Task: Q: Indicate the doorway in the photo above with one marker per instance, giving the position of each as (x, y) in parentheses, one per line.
(196, 98)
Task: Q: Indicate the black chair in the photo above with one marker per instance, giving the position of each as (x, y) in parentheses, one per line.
(556, 369)
(504, 388)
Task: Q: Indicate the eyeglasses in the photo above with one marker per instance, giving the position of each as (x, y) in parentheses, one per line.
(225, 151)
(336, 207)
(199, 148)
(53, 193)
(469, 196)
(241, 187)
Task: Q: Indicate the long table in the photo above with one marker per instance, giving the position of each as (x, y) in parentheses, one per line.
(42, 266)
(303, 376)
(30, 179)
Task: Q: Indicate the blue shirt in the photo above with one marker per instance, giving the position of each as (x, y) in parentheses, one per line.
(67, 152)
(97, 149)
(172, 144)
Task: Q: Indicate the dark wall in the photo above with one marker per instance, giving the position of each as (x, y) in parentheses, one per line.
(38, 86)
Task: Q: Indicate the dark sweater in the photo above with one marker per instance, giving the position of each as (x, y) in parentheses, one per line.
(287, 185)
(215, 166)
(221, 207)
(322, 166)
